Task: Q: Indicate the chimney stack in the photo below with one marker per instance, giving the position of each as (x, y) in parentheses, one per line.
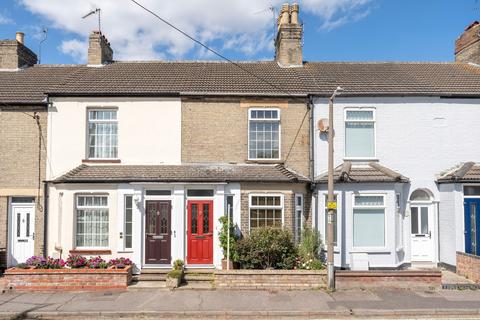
(467, 46)
(99, 50)
(288, 44)
(14, 54)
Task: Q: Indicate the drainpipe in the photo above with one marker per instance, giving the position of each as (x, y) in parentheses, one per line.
(45, 217)
(313, 205)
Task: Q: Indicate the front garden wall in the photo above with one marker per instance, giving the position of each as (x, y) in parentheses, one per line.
(405, 279)
(67, 279)
(468, 266)
(270, 279)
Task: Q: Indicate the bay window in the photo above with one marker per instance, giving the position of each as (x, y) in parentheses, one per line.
(266, 211)
(91, 221)
(369, 221)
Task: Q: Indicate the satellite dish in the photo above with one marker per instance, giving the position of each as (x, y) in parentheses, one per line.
(322, 125)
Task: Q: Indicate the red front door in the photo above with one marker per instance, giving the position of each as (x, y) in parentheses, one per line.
(200, 232)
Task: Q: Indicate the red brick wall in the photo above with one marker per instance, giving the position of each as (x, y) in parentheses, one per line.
(468, 266)
(67, 279)
(270, 279)
(345, 279)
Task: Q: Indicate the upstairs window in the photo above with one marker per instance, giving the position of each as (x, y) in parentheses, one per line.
(264, 134)
(360, 133)
(102, 134)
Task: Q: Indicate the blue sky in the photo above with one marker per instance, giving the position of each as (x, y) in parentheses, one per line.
(335, 30)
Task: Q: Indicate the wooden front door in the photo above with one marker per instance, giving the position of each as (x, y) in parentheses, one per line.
(200, 232)
(158, 221)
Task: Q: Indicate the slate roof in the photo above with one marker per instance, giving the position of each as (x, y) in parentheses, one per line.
(359, 173)
(156, 78)
(181, 173)
(466, 172)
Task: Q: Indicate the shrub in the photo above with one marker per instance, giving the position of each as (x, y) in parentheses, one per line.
(37, 261)
(178, 264)
(309, 256)
(175, 274)
(267, 248)
(76, 261)
(223, 236)
(97, 263)
(23, 266)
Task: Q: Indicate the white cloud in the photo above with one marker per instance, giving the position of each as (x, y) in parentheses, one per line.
(243, 26)
(4, 19)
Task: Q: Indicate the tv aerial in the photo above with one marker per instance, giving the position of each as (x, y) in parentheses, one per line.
(95, 11)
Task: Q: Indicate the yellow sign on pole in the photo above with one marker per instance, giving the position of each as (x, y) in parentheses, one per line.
(332, 205)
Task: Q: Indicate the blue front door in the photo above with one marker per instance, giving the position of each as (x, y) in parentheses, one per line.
(472, 226)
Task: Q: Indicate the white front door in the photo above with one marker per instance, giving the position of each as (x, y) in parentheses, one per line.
(422, 233)
(22, 233)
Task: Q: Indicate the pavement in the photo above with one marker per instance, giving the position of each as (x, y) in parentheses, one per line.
(252, 304)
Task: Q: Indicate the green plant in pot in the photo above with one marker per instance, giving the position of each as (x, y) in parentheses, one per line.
(174, 277)
(228, 231)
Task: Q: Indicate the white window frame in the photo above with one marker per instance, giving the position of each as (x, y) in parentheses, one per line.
(77, 207)
(374, 121)
(299, 208)
(125, 248)
(384, 207)
(87, 144)
(281, 206)
(265, 120)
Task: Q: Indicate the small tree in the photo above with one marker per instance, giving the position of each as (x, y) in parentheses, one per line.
(223, 236)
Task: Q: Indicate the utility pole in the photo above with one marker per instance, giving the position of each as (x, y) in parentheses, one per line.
(331, 203)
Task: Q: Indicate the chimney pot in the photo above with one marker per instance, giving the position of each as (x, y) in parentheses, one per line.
(288, 43)
(20, 36)
(294, 13)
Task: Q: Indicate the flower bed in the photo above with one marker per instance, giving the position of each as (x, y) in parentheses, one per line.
(76, 274)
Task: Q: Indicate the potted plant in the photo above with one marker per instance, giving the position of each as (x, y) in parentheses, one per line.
(228, 232)
(174, 277)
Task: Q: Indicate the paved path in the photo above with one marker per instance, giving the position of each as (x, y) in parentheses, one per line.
(149, 303)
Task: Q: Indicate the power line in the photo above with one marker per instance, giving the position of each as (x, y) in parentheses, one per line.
(232, 62)
(213, 50)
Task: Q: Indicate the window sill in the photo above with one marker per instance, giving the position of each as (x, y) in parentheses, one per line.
(101, 161)
(370, 250)
(265, 161)
(90, 251)
(361, 159)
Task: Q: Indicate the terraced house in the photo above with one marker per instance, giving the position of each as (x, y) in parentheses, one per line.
(141, 159)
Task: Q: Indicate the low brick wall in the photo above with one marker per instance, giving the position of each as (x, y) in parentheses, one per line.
(416, 279)
(468, 265)
(270, 279)
(67, 279)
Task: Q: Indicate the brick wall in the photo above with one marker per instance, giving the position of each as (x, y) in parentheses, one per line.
(270, 279)
(406, 279)
(216, 130)
(468, 266)
(22, 172)
(287, 189)
(67, 279)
